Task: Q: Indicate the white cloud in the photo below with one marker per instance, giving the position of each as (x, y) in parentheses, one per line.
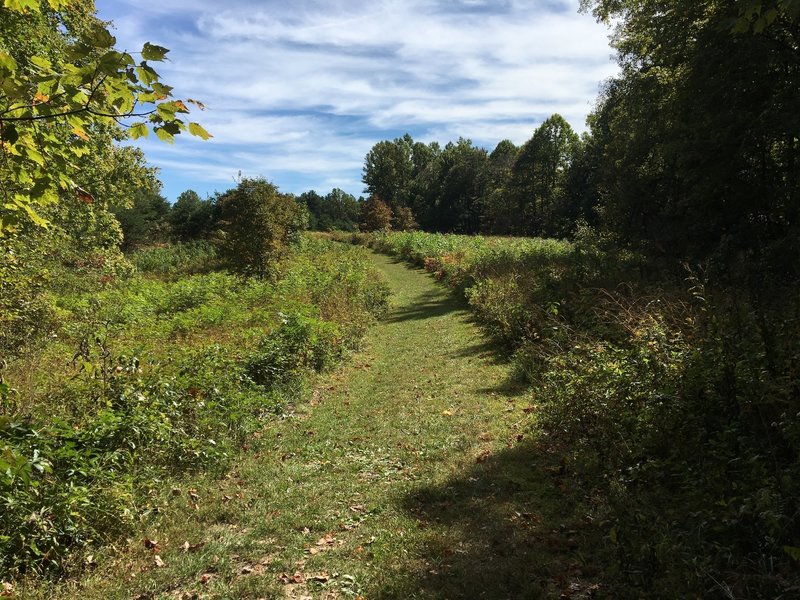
(304, 89)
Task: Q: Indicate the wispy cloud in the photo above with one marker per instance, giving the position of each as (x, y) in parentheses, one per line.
(298, 92)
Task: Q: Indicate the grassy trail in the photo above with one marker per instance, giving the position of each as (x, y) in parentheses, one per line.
(410, 473)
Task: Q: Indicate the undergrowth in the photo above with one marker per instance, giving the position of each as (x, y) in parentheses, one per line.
(147, 376)
(676, 401)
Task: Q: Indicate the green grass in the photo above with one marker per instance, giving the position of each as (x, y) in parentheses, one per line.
(169, 377)
(409, 473)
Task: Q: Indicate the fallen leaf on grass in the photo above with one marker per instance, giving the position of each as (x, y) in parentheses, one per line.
(7, 589)
(151, 545)
(287, 579)
(447, 413)
(321, 577)
(187, 547)
(326, 540)
(205, 578)
(158, 561)
(483, 456)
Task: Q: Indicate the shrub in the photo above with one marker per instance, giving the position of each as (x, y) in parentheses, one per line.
(257, 225)
(80, 439)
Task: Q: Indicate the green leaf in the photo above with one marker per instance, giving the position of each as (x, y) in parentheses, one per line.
(164, 135)
(153, 52)
(146, 74)
(197, 129)
(7, 63)
(99, 37)
(22, 5)
(34, 155)
(9, 134)
(138, 130)
(42, 63)
(23, 203)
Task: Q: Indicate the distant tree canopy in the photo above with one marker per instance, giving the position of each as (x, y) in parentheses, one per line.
(145, 220)
(462, 188)
(338, 210)
(191, 217)
(693, 151)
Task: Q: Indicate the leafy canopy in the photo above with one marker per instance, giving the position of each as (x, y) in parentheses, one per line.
(61, 78)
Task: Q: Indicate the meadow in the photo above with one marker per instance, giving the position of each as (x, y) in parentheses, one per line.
(163, 370)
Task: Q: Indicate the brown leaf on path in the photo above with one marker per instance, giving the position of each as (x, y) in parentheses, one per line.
(287, 579)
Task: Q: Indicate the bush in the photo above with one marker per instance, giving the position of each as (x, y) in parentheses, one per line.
(177, 259)
(258, 224)
(675, 401)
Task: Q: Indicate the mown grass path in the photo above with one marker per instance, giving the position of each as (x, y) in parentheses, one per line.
(410, 473)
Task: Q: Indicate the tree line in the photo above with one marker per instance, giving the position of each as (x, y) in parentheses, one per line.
(692, 151)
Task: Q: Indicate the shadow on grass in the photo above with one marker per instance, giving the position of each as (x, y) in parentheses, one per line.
(509, 527)
(428, 305)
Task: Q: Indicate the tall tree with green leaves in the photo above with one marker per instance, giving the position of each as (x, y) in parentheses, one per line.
(539, 173)
(191, 217)
(700, 133)
(389, 170)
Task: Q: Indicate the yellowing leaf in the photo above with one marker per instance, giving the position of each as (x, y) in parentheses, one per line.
(138, 130)
(7, 63)
(80, 133)
(22, 5)
(197, 129)
(164, 135)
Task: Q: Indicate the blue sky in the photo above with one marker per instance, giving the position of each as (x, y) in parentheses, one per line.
(298, 92)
